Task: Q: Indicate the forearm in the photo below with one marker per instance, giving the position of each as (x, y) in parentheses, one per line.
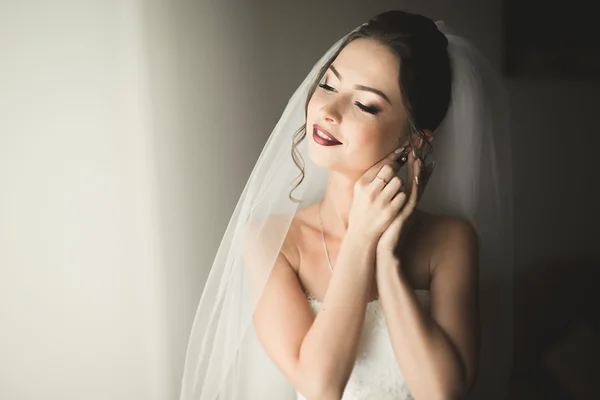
(329, 347)
(429, 364)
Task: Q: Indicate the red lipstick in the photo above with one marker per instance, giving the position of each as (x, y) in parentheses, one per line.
(330, 141)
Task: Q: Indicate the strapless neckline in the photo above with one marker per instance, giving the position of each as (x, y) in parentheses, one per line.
(313, 299)
(376, 373)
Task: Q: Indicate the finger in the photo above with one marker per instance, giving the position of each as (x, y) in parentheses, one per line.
(410, 174)
(385, 175)
(414, 193)
(391, 189)
(398, 201)
(374, 170)
(425, 176)
(395, 227)
(396, 165)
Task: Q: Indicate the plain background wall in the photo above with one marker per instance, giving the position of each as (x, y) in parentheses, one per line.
(127, 132)
(82, 295)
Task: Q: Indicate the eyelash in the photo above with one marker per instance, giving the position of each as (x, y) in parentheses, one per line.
(370, 110)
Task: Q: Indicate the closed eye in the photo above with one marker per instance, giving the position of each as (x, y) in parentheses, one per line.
(370, 110)
(367, 109)
(326, 87)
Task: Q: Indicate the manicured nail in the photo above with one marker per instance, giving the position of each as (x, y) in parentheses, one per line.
(417, 180)
(414, 153)
(399, 150)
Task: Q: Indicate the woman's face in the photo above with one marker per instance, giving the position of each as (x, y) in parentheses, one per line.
(358, 102)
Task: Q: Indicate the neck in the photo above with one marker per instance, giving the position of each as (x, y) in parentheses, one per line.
(335, 206)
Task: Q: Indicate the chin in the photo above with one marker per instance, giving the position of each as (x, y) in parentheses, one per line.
(326, 159)
(322, 156)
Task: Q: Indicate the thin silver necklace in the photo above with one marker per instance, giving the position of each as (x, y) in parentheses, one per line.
(323, 237)
(325, 245)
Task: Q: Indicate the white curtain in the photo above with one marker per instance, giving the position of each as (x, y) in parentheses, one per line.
(115, 188)
(82, 310)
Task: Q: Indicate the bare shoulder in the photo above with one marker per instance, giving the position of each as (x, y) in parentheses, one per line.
(447, 225)
(302, 226)
(265, 234)
(281, 232)
(449, 235)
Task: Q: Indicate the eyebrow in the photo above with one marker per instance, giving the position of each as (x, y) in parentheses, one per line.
(361, 87)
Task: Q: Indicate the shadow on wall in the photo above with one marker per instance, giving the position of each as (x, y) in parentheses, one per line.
(557, 331)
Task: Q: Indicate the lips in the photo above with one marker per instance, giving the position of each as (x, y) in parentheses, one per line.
(330, 141)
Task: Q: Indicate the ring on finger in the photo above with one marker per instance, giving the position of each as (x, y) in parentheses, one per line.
(383, 180)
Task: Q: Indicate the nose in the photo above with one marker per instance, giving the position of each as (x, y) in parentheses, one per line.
(331, 112)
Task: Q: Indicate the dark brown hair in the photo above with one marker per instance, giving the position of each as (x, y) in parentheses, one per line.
(425, 74)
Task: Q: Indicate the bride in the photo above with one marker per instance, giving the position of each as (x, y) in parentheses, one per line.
(370, 290)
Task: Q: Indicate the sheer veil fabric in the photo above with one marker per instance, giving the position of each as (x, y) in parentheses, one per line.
(472, 179)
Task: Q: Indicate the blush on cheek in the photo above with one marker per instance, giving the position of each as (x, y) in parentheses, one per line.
(366, 139)
(368, 146)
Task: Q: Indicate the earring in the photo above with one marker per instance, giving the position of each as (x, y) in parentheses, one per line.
(403, 156)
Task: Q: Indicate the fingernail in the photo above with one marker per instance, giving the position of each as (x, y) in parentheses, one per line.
(417, 180)
(414, 154)
(399, 150)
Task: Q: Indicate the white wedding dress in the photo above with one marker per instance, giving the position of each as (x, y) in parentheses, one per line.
(376, 374)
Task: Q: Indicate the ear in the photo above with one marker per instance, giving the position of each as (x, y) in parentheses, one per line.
(429, 135)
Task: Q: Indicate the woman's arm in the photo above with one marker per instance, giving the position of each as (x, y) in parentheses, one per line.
(317, 354)
(437, 354)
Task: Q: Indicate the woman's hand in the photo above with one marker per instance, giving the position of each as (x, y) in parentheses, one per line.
(417, 180)
(375, 204)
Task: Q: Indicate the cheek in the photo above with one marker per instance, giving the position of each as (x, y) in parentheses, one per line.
(370, 142)
(365, 136)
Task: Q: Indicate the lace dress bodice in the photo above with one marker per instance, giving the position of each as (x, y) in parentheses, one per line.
(376, 374)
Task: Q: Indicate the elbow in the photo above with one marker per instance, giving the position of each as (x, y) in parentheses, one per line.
(329, 392)
(451, 389)
(456, 391)
(318, 384)
(452, 395)
(446, 393)
(322, 379)
(316, 389)
(322, 386)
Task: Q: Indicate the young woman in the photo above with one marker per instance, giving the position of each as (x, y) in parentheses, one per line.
(359, 294)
